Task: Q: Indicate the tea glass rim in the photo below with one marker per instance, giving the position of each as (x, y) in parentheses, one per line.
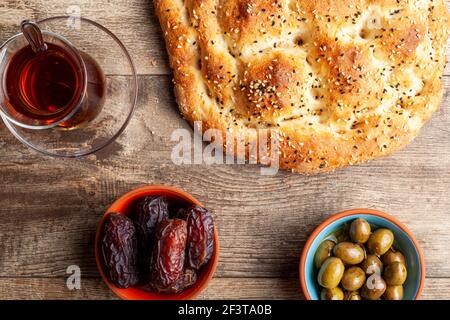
(78, 103)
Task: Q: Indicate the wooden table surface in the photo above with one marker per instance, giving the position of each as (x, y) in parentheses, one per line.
(49, 208)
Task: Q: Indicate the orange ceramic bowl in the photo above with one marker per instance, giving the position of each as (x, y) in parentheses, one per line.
(124, 205)
(404, 241)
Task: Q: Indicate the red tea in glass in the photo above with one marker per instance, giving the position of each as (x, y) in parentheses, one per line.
(59, 87)
(44, 86)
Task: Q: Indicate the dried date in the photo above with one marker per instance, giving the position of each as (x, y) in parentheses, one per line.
(149, 212)
(119, 247)
(200, 241)
(168, 256)
(187, 279)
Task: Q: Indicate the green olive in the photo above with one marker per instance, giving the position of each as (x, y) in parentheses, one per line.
(374, 288)
(393, 256)
(393, 293)
(349, 253)
(352, 295)
(380, 241)
(324, 251)
(331, 272)
(353, 279)
(360, 231)
(332, 294)
(395, 274)
(372, 264)
(342, 234)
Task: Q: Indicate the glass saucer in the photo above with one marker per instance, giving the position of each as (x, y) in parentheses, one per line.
(121, 89)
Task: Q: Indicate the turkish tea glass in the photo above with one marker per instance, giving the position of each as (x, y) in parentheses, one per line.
(105, 96)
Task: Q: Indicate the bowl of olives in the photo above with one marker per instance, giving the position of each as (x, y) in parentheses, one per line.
(157, 243)
(361, 254)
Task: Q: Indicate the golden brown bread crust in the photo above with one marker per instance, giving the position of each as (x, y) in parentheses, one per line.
(342, 82)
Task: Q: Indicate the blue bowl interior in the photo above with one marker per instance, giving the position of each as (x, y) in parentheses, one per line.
(402, 242)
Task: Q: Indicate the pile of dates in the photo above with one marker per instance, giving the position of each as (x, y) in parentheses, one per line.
(358, 264)
(157, 248)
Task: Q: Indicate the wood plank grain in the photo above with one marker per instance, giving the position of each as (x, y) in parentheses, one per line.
(133, 21)
(49, 207)
(219, 288)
